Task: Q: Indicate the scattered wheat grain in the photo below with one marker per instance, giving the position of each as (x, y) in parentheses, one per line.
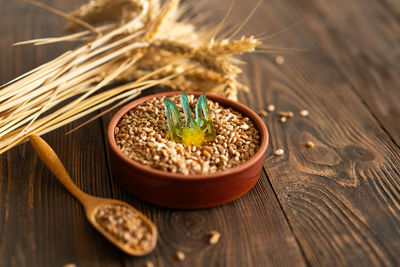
(180, 255)
(309, 144)
(304, 113)
(279, 60)
(263, 113)
(271, 108)
(214, 237)
(279, 152)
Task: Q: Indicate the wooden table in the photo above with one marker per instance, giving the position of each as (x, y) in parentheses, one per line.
(332, 205)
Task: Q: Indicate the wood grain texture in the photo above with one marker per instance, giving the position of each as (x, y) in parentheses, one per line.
(362, 39)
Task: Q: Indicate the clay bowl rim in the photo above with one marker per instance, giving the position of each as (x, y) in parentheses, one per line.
(259, 123)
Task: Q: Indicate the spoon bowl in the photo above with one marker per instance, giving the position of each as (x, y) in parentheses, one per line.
(91, 211)
(95, 205)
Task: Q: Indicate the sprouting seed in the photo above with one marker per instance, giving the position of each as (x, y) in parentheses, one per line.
(233, 145)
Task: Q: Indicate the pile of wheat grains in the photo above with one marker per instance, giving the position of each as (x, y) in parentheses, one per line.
(143, 135)
(125, 225)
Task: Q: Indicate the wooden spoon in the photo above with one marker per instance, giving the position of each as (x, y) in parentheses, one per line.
(90, 203)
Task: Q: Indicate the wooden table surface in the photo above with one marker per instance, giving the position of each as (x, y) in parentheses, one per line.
(337, 204)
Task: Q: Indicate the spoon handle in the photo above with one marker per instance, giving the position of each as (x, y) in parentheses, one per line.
(52, 161)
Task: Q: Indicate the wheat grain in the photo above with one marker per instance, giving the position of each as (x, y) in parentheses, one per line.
(304, 113)
(180, 255)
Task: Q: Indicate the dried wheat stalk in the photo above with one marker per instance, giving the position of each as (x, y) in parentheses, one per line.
(138, 40)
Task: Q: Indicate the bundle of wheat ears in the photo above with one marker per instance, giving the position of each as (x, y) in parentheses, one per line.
(140, 42)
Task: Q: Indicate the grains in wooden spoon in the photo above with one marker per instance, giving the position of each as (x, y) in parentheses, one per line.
(124, 225)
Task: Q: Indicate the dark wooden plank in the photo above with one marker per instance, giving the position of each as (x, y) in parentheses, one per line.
(20, 21)
(362, 39)
(341, 197)
(41, 224)
(254, 231)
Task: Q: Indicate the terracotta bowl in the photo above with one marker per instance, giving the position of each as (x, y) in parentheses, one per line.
(186, 191)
